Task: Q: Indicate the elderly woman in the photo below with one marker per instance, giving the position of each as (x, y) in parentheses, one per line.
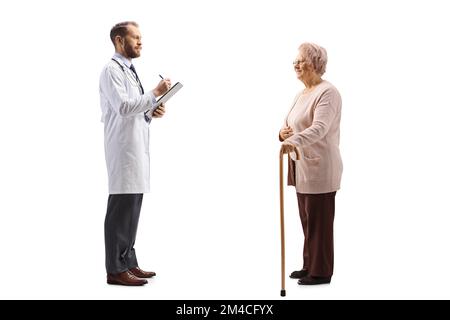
(312, 126)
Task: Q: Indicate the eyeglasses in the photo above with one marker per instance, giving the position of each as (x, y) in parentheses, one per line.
(296, 62)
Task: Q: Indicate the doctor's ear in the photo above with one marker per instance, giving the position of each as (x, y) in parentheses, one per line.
(120, 40)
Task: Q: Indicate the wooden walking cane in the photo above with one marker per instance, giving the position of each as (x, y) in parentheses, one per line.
(283, 275)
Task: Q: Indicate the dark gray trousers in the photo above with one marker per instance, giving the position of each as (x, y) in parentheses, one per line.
(121, 222)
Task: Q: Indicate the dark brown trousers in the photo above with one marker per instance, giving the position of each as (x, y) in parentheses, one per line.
(317, 217)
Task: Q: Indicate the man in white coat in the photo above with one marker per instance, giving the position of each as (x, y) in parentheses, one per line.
(124, 113)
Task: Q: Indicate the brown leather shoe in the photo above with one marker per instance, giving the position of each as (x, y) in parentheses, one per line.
(125, 278)
(138, 272)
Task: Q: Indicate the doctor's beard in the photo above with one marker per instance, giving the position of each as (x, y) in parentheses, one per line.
(131, 52)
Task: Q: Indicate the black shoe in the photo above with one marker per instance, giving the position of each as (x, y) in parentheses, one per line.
(299, 274)
(310, 280)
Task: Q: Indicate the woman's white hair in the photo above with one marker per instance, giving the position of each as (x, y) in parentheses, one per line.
(316, 56)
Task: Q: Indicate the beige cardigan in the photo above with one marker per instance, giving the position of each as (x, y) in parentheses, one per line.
(315, 119)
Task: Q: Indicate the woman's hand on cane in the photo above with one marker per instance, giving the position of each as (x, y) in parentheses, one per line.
(286, 147)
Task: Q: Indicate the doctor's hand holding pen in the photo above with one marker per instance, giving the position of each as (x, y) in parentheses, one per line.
(162, 87)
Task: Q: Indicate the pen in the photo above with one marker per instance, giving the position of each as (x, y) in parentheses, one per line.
(161, 77)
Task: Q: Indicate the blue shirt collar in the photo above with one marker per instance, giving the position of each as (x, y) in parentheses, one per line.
(122, 59)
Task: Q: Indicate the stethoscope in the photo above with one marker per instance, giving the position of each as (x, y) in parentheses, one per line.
(129, 76)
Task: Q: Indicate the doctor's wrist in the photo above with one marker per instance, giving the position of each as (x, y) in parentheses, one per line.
(156, 93)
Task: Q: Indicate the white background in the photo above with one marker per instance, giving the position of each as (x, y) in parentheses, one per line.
(210, 226)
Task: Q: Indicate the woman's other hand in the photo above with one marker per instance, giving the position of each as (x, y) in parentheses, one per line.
(285, 133)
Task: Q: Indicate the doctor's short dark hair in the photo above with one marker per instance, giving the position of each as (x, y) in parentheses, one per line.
(121, 29)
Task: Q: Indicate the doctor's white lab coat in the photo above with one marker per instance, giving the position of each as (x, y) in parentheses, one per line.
(126, 130)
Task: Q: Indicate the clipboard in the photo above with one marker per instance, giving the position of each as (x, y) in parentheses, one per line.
(166, 96)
